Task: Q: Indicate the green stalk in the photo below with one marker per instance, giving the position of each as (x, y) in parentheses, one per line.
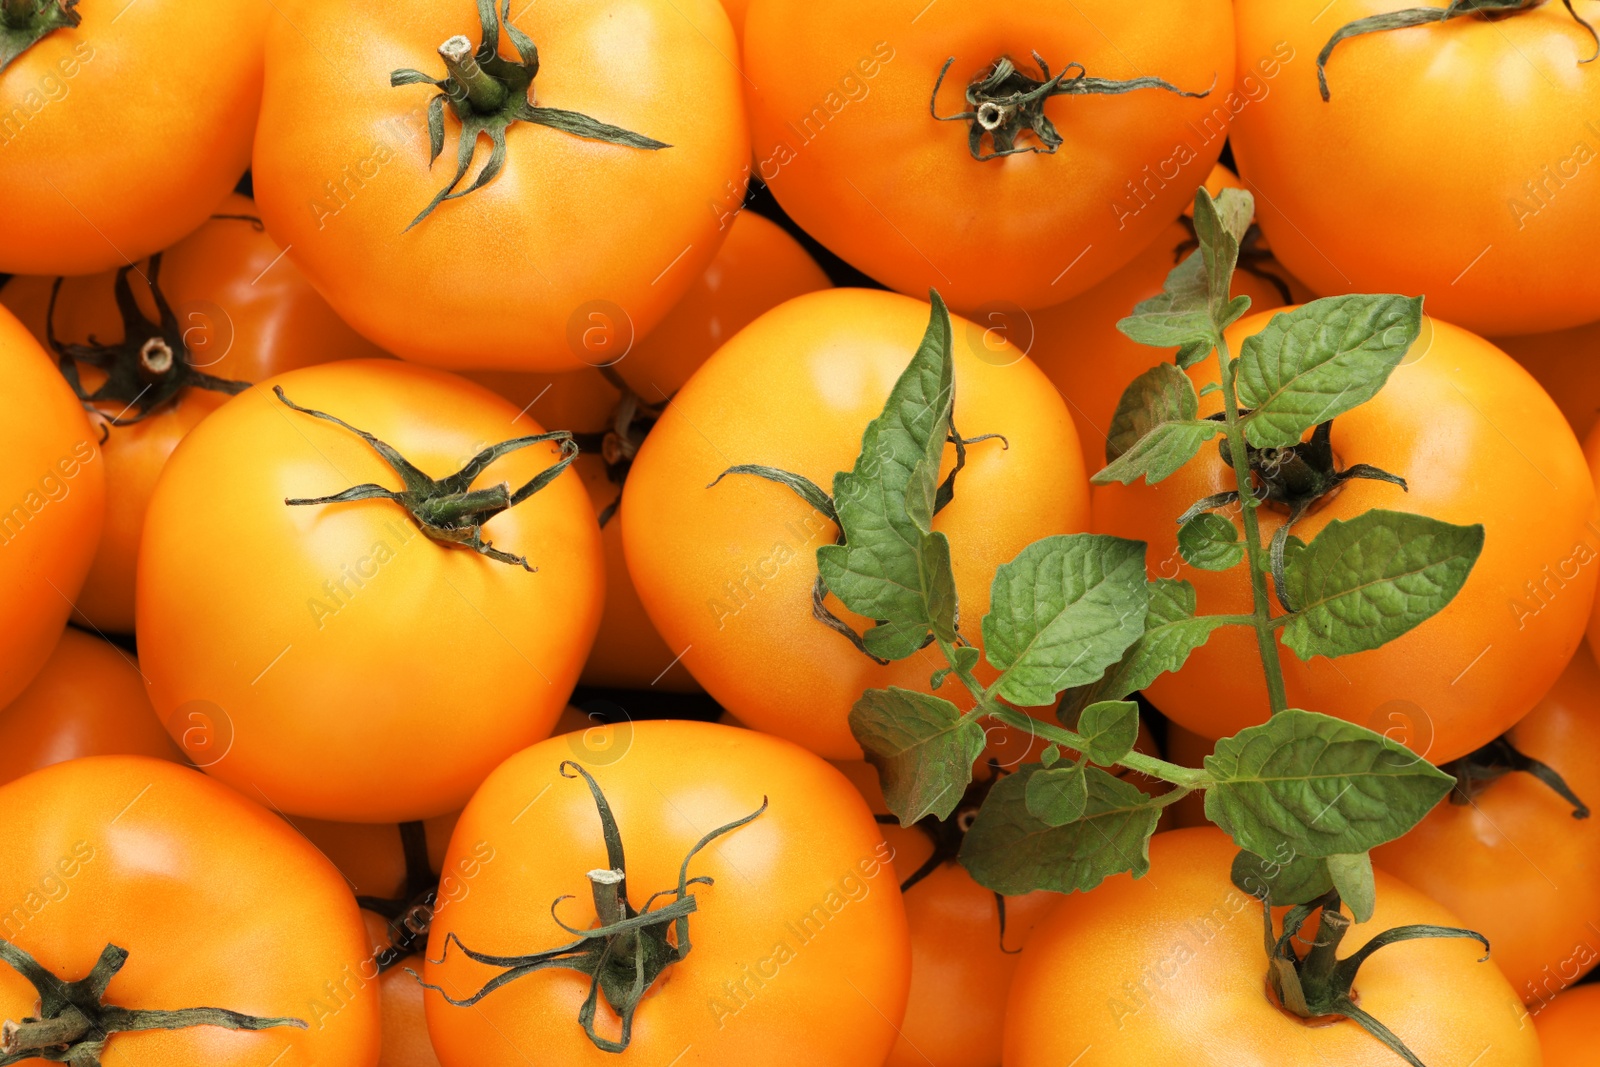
(486, 92)
(17, 13)
(1263, 621)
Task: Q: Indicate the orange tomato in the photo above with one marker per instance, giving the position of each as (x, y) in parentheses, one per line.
(839, 99)
(238, 312)
(87, 700)
(573, 234)
(1139, 972)
(1351, 192)
(1511, 860)
(1187, 749)
(217, 902)
(52, 505)
(758, 267)
(309, 650)
(726, 573)
(1567, 1027)
(116, 138)
(1567, 364)
(1464, 676)
(799, 947)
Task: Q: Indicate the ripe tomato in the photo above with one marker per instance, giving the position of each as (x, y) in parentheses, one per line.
(236, 311)
(1509, 858)
(758, 267)
(1567, 1027)
(839, 106)
(727, 572)
(1567, 364)
(1463, 677)
(1591, 453)
(799, 946)
(572, 227)
(1077, 343)
(453, 659)
(1187, 749)
(1136, 972)
(52, 504)
(97, 175)
(87, 700)
(218, 903)
(1350, 190)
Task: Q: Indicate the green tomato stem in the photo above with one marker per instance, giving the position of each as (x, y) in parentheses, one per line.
(1186, 778)
(17, 13)
(486, 92)
(1262, 621)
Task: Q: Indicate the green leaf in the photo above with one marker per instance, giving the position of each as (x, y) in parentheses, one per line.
(1297, 880)
(1352, 877)
(1050, 755)
(891, 567)
(922, 748)
(1156, 428)
(1219, 226)
(966, 658)
(1111, 727)
(1318, 786)
(1362, 583)
(1320, 360)
(1012, 851)
(1058, 796)
(1062, 612)
(1171, 633)
(1179, 316)
(1210, 542)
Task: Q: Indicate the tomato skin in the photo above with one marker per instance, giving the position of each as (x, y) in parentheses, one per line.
(1350, 191)
(1567, 364)
(726, 573)
(191, 878)
(87, 700)
(1591, 453)
(1566, 1027)
(97, 176)
(1129, 974)
(839, 107)
(351, 605)
(1514, 864)
(52, 506)
(1443, 422)
(248, 313)
(498, 278)
(758, 267)
(815, 847)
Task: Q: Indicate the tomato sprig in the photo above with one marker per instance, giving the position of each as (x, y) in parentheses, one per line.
(74, 1023)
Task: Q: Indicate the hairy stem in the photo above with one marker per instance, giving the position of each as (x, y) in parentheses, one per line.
(485, 92)
(1186, 778)
(1264, 624)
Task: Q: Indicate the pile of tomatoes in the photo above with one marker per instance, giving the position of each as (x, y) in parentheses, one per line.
(424, 421)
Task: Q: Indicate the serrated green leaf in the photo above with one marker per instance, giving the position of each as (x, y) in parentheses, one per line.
(1352, 877)
(966, 658)
(922, 748)
(1318, 786)
(1012, 851)
(1111, 728)
(1219, 226)
(1156, 428)
(1362, 583)
(891, 567)
(1058, 795)
(1171, 633)
(1296, 880)
(1320, 360)
(1062, 611)
(1179, 315)
(1211, 542)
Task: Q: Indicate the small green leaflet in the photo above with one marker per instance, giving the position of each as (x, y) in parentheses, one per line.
(966, 658)
(1111, 727)
(1297, 880)
(891, 567)
(1059, 795)
(1362, 583)
(1062, 612)
(1156, 428)
(1171, 633)
(921, 747)
(1352, 877)
(1318, 786)
(1012, 851)
(1211, 542)
(1219, 226)
(1320, 360)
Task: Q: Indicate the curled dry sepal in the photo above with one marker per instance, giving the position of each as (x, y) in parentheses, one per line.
(74, 1025)
(630, 948)
(489, 94)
